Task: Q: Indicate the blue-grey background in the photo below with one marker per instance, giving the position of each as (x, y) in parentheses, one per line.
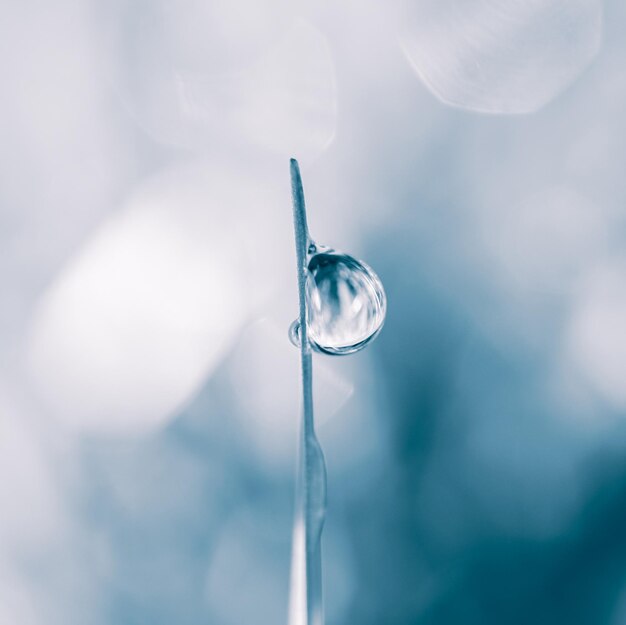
(471, 152)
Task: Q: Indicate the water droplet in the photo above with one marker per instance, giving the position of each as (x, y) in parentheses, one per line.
(294, 332)
(346, 304)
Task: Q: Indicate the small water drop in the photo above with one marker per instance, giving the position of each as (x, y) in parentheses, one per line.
(346, 304)
(294, 333)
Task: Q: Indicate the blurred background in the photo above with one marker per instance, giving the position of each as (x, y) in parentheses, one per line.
(472, 152)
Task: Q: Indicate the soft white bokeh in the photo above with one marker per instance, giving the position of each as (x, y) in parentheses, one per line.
(38, 530)
(144, 311)
(33, 516)
(595, 335)
(229, 72)
(285, 103)
(217, 36)
(17, 603)
(512, 56)
(63, 154)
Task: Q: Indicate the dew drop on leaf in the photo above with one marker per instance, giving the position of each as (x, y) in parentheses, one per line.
(346, 304)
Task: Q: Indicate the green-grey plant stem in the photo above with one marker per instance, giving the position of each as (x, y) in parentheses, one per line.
(311, 496)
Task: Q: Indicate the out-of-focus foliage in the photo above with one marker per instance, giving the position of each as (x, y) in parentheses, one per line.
(148, 392)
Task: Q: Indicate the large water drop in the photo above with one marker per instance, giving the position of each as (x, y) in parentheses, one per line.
(346, 304)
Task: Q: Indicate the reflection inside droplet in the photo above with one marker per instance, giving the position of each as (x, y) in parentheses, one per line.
(346, 304)
(294, 332)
